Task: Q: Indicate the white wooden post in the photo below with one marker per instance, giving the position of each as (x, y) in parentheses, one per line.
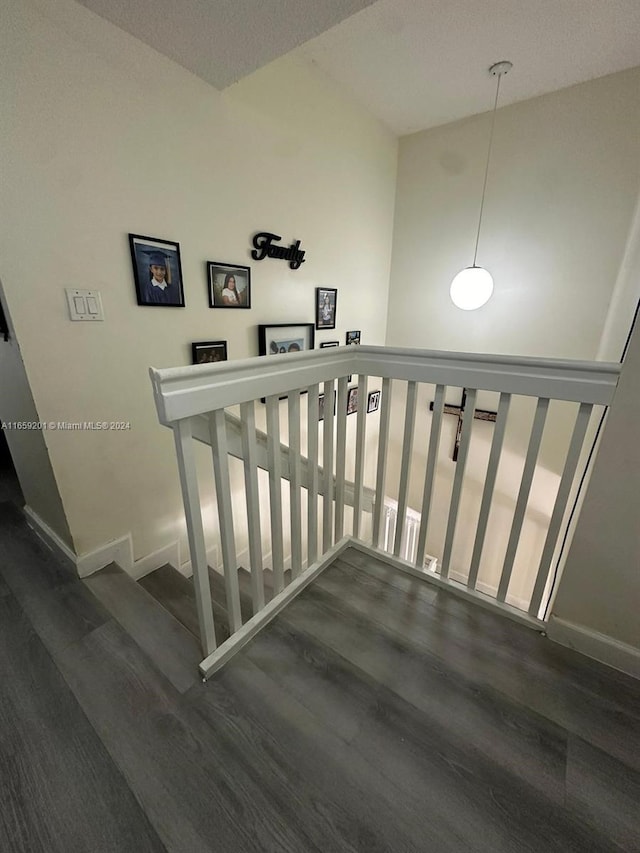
(405, 467)
(381, 470)
(218, 428)
(252, 493)
(295, 502)
(523, 495)
(313, 403)
(327, 465)
(432, 462)
(195, 532)
(275, 491)
(359, 468)
(341, 439)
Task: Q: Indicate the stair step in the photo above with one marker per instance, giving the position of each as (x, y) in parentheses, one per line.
(167, 643)
(219, 595)
(176, 594)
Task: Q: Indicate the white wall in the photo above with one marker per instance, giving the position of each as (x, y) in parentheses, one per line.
(600, 587)
(104, 137)
(27, 445)
(563, 184)
(560, 238)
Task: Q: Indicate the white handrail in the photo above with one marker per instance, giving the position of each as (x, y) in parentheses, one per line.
(181, 392)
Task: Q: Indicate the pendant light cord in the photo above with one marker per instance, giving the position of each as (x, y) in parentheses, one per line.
(486, 171)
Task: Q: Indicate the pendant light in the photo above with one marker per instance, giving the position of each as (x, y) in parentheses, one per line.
(473, 286)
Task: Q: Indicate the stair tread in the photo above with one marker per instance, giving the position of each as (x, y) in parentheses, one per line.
(177, 594)
(167, 643)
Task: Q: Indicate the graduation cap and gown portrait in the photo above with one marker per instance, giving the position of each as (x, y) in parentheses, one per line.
(157, 270)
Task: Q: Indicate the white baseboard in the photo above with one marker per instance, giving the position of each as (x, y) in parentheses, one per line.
(601, 647)
(212, 560)
(145, 565)
(118, 551)
(50, 538)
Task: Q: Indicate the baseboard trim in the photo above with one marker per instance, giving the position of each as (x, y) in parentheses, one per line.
(118, 551)
(452, 586)
(50, 538)
(228, 649)
(591, 643)
(145, 565)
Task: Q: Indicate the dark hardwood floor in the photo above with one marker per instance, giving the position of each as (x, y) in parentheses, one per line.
(374, 714)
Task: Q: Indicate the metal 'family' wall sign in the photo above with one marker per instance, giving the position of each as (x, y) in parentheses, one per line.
(264, 248)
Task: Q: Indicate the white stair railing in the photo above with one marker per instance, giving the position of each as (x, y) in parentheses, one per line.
(314, 460)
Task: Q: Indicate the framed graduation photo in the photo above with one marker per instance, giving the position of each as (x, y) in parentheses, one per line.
(326, 300)
(157, 272)
(229, 285)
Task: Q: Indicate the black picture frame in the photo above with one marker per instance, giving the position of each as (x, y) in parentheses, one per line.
(218, 275)
(326, 307)
(352, 338)
(321, 406)
(282, 338)
(144, 250)
(373, 401)
(352, 400)
(208, 352)
(329, 344)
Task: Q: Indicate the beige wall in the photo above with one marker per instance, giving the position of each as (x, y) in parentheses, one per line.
(600, 587)
(560, 237)
(563, 184)
(27, 446)
(104, 137)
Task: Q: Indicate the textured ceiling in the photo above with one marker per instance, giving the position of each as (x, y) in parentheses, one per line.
(224, 40)
(413, 63)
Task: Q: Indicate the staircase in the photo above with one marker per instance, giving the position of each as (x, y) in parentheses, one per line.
(159, 612)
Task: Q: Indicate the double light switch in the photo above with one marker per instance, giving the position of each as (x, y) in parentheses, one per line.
(84, 304)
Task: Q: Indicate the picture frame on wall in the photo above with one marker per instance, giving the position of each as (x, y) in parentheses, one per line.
(282, 338)
(326, 302)
(352, 400)
(321, 406)
(329, 344)
(157, 272)
(373, 401)
(229, 285)
(353, 338)
(208, 352)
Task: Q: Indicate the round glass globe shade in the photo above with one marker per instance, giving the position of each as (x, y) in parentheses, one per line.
(471, 288)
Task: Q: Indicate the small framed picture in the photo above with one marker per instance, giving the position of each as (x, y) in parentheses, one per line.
(329, 344)
(326, 300)
(229, 285)
(321, 406)
(281, 338)
(157, 272)
(353, 338)
(373, 402)
(206, 352)
(352, 400)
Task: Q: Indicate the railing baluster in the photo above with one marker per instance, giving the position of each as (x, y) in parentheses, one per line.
(523, 495)
(405, 467)
(327, 465)
(489, 485)
(312, 473)
(359, 469)
(341, 439)
(570, 465)
(195, 532)
(432, 461)
(381, 472)
(275, 491)
(295, 497)
(218, 430)
(252, 492)
(465, 439)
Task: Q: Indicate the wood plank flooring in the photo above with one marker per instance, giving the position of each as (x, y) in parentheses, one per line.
(375, 714)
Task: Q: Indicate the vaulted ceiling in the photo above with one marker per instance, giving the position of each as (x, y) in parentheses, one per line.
(413, 63)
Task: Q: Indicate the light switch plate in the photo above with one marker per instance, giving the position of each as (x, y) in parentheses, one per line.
(84, 305)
